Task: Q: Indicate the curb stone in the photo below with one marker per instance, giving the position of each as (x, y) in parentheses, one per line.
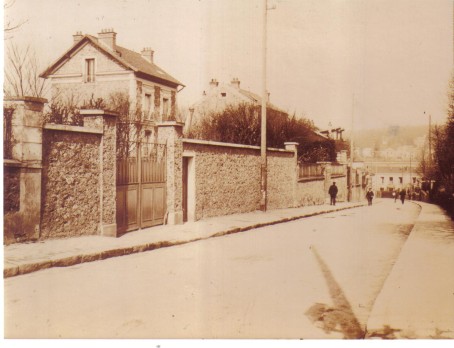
(106, 254)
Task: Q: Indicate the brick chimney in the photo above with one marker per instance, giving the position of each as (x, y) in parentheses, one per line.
(77, 36)
(235, 82)
(108, 37)
(214, 83)
(147, 54)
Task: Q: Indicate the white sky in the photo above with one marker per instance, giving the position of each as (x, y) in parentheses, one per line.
(394, 56)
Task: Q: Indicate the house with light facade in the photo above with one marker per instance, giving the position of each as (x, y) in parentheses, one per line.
(217, 97)
(97, 67)
(393, 175)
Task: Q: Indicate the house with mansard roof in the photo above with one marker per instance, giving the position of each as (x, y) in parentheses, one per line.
(98, 67)
(220, 95)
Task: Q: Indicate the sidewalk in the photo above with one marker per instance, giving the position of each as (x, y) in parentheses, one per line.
(417, 299)
(31, 257)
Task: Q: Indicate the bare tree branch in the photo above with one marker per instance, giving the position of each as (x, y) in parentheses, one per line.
(22, 73)
(9, 25)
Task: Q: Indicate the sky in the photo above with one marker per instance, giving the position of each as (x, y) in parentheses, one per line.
(351, 63)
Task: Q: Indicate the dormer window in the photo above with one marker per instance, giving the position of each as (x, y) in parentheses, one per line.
(223, 94)
(90, 70)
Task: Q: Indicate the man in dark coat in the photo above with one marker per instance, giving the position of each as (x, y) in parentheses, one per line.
(402, 195)
(333, 193)
(370, 196)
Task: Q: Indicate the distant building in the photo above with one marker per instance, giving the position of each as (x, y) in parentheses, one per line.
(391, 175)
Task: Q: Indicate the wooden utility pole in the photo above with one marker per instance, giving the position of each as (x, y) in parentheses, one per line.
(350, 184)
(263, 159)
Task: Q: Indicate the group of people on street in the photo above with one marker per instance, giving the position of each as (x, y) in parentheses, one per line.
(333, 194)
(333, 190)
(402, 193)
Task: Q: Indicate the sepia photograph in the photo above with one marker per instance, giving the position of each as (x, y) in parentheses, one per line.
(219, 170)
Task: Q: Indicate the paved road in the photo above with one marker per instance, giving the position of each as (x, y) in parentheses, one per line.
(312, 278)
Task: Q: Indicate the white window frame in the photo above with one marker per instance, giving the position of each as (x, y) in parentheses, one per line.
(86, 70)
(147, 104)
(165, 106)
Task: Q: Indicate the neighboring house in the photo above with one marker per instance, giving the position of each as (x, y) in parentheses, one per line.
(98, 67)
(217, 97)
(391, 175)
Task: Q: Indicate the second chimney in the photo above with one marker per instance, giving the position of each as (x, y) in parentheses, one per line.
(108, 37)
(147, 54)
(214, 83)
(235, 82)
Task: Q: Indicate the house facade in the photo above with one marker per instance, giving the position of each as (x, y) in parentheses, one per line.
(393, 175)
(217, 97)
(97, 67)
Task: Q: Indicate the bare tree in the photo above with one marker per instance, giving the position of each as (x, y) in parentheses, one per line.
(10, 25)
(22, 73)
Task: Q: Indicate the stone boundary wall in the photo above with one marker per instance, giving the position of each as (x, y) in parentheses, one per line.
(71, 182)
(79, 177)
(311, 192)
(281, 179)
(227, 177)
(60, 179)
(341, 183)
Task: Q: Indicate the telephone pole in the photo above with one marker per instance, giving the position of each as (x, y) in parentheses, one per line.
(350, 184)
(263, 159)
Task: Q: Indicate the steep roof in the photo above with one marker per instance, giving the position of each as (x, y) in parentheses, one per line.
(129, 59)
(258, 99)
(214, 93)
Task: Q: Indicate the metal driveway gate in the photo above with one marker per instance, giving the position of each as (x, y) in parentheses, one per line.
(141, 186)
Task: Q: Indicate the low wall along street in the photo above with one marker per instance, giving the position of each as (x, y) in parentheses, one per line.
(71, 183)
(60, 180)
(311, 192)
(227, 177)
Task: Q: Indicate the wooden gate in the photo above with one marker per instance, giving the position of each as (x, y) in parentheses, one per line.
(141, 186)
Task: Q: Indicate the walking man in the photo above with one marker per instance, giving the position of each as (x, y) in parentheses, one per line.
(402, 195)
(370, 196)
(333, 193)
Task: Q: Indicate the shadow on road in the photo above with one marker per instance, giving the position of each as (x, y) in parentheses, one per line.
(340, 317)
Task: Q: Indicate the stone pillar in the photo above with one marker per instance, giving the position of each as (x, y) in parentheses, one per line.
(106, 121)
(171, 133)
(292, 146)
(26, 135)
(26, 128)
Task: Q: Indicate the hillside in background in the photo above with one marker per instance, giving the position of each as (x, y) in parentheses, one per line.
(389, 137)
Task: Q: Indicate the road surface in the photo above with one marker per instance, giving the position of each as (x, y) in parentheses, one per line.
(316, 277)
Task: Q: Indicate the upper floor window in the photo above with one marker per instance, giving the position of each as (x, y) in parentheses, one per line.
(147, 106)
(165, 106)
(401, 180)
(90, 70)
